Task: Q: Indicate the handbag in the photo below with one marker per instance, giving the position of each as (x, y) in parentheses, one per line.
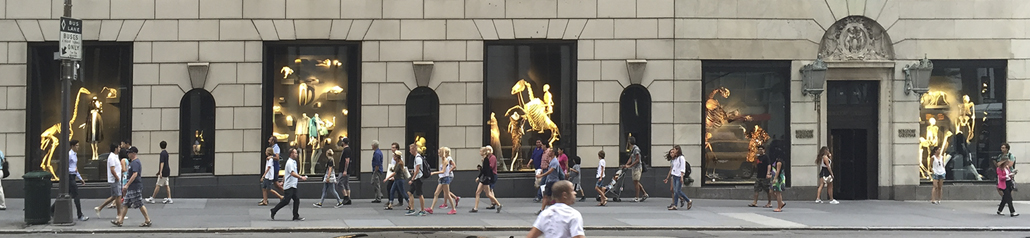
(332, 178)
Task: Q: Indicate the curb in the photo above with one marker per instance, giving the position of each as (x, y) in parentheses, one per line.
(491, 228)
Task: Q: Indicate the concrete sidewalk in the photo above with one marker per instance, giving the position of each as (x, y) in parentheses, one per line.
(243, 215)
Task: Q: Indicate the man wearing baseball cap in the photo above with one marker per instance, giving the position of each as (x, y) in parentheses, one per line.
(133, 189)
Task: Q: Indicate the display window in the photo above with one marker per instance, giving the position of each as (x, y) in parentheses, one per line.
(196, 132)
(529, 94)
(635, 121)
(962, 119)
(422, 125)
(101, 104)
(746, 104)
(311, 102)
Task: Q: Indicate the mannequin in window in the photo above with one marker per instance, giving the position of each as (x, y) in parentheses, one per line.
(966, 118)
(94, 134)
(302, 137)
(548, 99)
(198, 143)
(315, 126)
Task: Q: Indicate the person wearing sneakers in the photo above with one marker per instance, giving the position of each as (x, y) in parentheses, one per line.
(826, 175)
(552, 176)
(634, 165)
(343, 178)
(599, 187)
(114, 171)
(329, 182)
(678, 169)
(938, 175)
(162, 176)
(397, 176)
(133, 190)
(268, 177)
(74, 179)
(290, 184)
(574, 176)
(559, 220)
(446, 174)
(416, 183)
(377, 172)
(485, 178)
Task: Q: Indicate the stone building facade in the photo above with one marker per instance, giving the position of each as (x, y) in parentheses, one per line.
(664, 46)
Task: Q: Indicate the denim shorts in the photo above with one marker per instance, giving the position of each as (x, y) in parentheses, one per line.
(938, 177)
(446, 180)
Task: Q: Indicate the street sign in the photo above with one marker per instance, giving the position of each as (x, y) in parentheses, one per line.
(71, 38)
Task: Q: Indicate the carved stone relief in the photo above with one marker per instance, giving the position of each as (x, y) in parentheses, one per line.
(856, 38)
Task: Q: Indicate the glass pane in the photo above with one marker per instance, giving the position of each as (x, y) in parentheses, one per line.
(100, 101)
(529, 95)
(311, 104)
(746, 106)
(963, 116)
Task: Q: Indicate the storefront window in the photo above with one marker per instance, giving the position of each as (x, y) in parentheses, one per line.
(529, 94)
(963, 114)
(311, 89)
(635, 121)
(422, 125)
(101, 106)
(746, 105)
(196, 132)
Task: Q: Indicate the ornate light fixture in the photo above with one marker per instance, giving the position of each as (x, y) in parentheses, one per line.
(813, 77)
(917, 77)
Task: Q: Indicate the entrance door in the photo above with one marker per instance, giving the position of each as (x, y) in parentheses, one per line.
(852, 119)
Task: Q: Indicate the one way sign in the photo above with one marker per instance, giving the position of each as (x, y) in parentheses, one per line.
(71, 38)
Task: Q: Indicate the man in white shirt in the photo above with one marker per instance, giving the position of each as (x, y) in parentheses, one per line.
(290, 186)
(559, 220)
(114, 173)
(74, 178)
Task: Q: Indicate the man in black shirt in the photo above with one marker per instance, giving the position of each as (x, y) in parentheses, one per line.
(162, 176)
(761, 182)
(344, 166)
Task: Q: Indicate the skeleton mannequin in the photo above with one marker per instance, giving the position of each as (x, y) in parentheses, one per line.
(929, 141)
(967, 119)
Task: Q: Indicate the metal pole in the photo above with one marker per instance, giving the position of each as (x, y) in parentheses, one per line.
(63, 205)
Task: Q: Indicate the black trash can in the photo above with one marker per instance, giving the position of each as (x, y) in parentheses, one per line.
(37, 197)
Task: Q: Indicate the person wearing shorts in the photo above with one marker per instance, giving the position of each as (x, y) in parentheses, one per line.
(635, 167)
(114, 170)
(162, 176)
(342, 175)
(133, 190)
(599, 187)
(416, 184)
(761, 182)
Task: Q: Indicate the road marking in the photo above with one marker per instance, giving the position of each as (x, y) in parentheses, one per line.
(764, 220)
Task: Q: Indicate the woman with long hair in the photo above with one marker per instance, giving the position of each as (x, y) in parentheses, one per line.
(777, 180)
(677, 171)
(329, 182)
(446, 174)
(399, 176)
(938, 175)
(486, 176)
(825, 175)
(1005, 185)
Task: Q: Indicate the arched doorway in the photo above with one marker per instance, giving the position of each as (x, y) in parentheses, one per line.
(197, 132)
(422, 121)
(635, 120)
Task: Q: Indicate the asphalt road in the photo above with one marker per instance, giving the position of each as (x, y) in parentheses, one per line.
(491, 234)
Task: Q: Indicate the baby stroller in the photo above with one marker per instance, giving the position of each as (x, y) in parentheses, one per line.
(614, 188)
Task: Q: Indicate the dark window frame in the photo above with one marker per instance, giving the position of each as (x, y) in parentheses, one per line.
(353, 98)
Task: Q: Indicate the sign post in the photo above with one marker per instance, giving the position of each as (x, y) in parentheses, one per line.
(71, 52)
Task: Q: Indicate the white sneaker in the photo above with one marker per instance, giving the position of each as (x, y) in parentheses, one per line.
(834, 201)
(149, 200)
(818, 201)
(167, 201)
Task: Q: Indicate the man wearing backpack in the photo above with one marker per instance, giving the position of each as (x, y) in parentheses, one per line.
(3, 174)
(416, 181)
(634, 165)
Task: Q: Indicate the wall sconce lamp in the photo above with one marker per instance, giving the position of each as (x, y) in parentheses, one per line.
(813, 78)
(917, 77)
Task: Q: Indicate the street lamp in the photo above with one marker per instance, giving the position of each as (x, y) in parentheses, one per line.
(917, 77)
(813, 77)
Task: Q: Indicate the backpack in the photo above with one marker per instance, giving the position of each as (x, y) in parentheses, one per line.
(425, 169)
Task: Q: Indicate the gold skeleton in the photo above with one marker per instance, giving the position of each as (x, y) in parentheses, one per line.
(49, 141)
(515, 128)
(535, 111)
(715, 117)
(966, 118)
(495, 136)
